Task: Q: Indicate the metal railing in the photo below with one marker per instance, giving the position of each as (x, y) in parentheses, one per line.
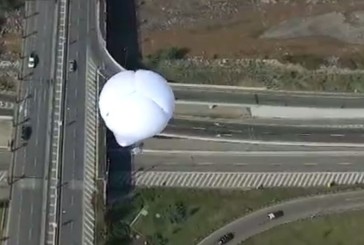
(57, 124)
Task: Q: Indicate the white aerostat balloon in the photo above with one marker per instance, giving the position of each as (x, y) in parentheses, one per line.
(136, 105)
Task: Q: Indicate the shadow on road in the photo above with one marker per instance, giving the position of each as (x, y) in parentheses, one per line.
(122, 33)
(120, 182)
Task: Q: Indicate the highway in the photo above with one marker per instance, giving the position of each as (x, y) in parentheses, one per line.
(70, 221)
(257, 222)
(264, 133)
(158, 143)
(261, 161)
(273, 98)
(30, 169)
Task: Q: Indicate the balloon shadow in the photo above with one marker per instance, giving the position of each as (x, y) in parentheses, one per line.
(120, 172)
(122, 37)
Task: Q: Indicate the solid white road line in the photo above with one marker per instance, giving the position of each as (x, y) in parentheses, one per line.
(255, 153)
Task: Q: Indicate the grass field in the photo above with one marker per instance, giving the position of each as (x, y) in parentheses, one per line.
(338, 229)
(184, 216)
(272, 75)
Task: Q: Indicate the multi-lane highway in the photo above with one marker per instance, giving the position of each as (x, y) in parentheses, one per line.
(258, 222)
(258, 161)
(261, 97)
(198, 128)
(30, 167)
(76, 219)
(70, 221)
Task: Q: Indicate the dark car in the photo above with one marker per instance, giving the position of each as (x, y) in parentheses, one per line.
(26, 132)
(72, 66)
(225, 238)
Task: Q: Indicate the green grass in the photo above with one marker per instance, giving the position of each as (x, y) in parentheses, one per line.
(258, 74)
(205, 210)
(338, 229)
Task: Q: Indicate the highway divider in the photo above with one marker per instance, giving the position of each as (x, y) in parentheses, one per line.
(52, 189)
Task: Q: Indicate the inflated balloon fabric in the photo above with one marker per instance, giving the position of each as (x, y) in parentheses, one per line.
(136, 105)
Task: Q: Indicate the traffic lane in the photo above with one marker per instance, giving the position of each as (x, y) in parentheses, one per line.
(5, 158)
(262, 132)
(257, 222)
(268, 98)
(36, 145)
(70, 231)
(70, 227)
(29, 223)
(26, 207)
(214, 162)
(31, 211)
(162, 143)
(44, 45)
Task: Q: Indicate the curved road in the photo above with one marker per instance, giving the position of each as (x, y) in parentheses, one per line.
(294, 210)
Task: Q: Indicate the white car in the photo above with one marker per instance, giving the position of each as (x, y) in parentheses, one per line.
(275, 215)
(32, 60)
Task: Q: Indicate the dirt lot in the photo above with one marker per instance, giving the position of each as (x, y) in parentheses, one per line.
(222, 34)
(236, 28)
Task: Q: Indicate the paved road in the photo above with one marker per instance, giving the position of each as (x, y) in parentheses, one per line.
(257, 222)
(261, 161)
(71, 198)
(5, 158)
(76, 222)
(157, 143)
(235, 96)
(264, 133)
(26, 206)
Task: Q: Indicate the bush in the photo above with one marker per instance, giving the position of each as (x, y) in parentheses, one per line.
(172, 53)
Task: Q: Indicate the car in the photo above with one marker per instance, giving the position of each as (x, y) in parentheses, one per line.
(26, 132)
(72, 65)
(225, 238)
(275, 214)
(32, 60)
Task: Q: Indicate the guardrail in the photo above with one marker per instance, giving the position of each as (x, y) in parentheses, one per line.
(115, 67)
(57, 124)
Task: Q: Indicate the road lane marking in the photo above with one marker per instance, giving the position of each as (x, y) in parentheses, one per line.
(205, 163)
(310, 164)
(337, 135)
(344, 163)
(256, 153)
(276, 164)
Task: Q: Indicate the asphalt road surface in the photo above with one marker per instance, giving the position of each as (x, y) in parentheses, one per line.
(250, 161)
(71, 195)
(5, 157)
(264, 133)
(258, 222)
(267, 98)
(27, 218)
(166, 144)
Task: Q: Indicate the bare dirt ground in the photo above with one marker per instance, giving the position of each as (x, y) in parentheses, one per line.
(10, 49)
(311, 33)
(240, 28)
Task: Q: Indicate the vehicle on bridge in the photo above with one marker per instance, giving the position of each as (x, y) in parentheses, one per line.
(72, 65)
(26, 132)
(32, 60)
(226, 238)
